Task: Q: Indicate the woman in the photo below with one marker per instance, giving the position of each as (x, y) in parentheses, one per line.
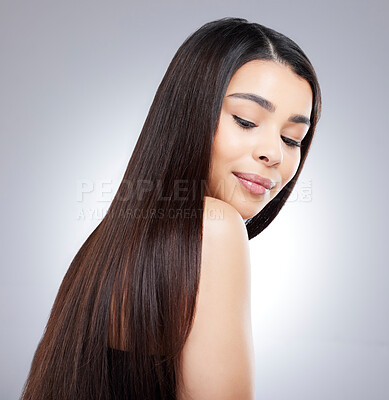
(220, 151)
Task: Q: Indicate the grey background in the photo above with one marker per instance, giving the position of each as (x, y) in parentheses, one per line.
(76, 81)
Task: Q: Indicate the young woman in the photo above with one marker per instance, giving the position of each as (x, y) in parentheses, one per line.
(156, 303)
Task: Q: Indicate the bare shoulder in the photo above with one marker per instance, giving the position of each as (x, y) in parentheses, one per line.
(224, 236)
(218, 357)
(215, 208)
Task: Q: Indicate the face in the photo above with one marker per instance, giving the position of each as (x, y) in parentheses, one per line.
(264, 117)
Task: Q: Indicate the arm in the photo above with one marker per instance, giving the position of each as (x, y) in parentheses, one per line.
(218, 357)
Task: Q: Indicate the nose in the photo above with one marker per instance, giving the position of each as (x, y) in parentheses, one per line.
(268, 148)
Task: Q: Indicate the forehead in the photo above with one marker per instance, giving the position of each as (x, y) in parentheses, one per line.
(275, 82)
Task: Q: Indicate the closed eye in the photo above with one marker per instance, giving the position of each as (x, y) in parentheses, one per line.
(244, 124)
(291, 142)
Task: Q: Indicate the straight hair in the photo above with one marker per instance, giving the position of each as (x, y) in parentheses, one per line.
(134, 282)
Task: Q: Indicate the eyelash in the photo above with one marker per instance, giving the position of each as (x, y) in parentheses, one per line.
(241, 123)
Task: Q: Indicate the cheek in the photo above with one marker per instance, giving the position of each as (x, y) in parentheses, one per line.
(290, 167)
(219, 163)
(227, 147)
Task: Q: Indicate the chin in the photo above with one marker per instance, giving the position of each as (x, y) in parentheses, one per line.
(246, 214)
(250, 213)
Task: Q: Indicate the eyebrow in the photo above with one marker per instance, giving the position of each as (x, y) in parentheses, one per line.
(269, 106)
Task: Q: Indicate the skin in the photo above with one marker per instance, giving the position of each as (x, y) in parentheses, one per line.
(222, 328)
(261, 149)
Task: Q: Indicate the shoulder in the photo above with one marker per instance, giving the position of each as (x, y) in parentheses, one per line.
(213, 205)
(220, 217)
(225, 245)
(225, 242)
(218, 357)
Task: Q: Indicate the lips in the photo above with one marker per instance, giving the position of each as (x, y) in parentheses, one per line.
(260, 180)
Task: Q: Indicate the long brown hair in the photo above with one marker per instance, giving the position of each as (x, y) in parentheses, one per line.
(133, 283)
